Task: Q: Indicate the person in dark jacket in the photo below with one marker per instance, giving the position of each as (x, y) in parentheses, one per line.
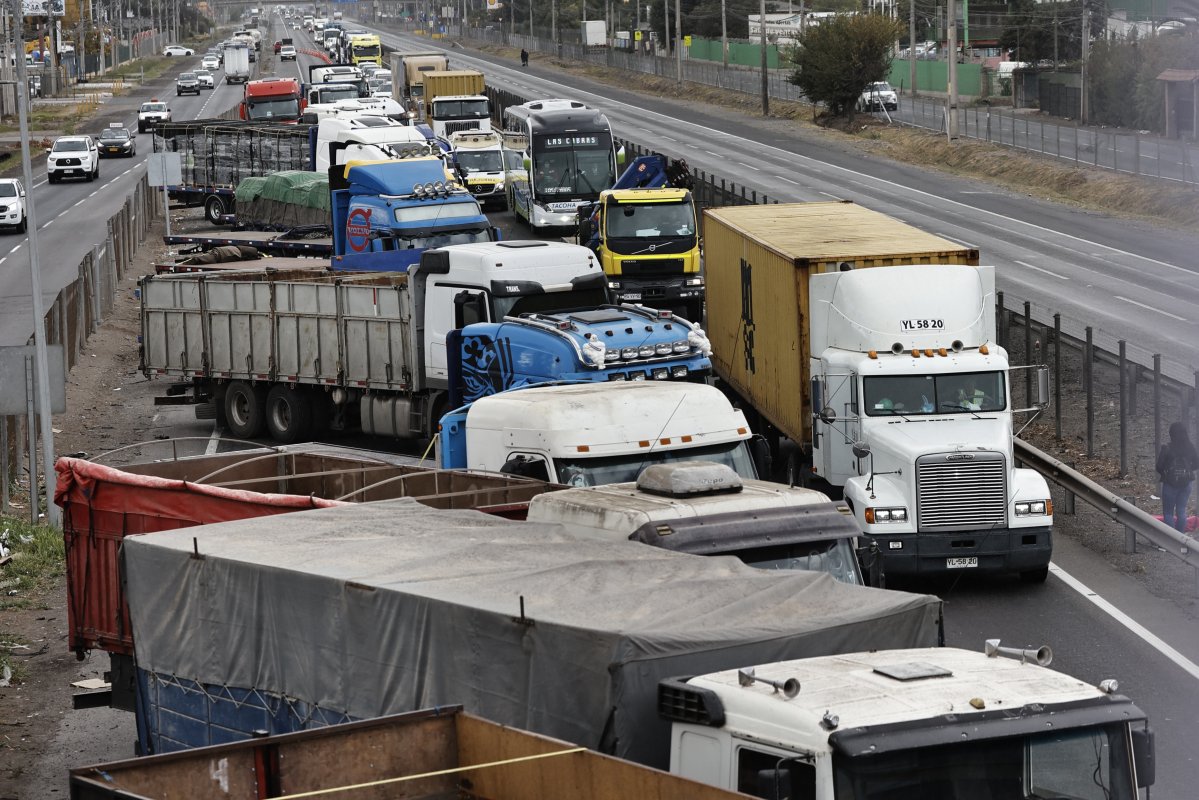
(1176, 464)
(524, 57)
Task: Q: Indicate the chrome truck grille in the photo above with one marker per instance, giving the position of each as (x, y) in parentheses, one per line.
(454, 127)
(961, 491)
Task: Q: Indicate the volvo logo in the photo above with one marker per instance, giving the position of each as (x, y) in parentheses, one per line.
(960, 457)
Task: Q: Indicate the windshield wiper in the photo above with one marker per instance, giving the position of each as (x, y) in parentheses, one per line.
(959, 407)
(896, 412)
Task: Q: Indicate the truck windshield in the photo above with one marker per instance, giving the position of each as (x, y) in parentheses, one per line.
(625, 469)
(480, 160)
(1081, 764)
(332, 94)
(548, 302)
(366, 50)
(280, 108)
(654, 221)
(567, 166)
(834, 556)
(460, 109)
(950, 393)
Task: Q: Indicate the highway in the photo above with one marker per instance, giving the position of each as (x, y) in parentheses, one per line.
(1130, 280)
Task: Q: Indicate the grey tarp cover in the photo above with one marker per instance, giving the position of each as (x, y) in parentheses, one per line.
(288, 199)
(385, 607)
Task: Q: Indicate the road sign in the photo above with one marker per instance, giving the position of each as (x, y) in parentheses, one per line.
(13, 360)
(164, 169)
(43, 8)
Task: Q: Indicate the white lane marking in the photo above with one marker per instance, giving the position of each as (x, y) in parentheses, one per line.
(214, 441)
(934, 198)
(826, 194)
(787, 180)
(1128, 622)
(749, 166)
(1150, 308)
(669, 139)
(51, 222)
(716, 155)
(1042, 269)
(2, 260)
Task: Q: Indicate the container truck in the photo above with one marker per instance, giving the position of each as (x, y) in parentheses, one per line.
(645, 232)
(421, 755)
(455, 101)
(369, 609)
(870, 345)
(408, 75)
(236, 63)
(706, 508)
(291, 352)
(103, 505)
(589, 435)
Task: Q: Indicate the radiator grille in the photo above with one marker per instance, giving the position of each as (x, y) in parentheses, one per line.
(454, 127)
(956, 492)
(651, 267)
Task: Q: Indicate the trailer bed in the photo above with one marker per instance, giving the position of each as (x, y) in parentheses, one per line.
(272, 242)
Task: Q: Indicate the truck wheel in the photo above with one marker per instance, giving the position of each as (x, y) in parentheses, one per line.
(245, 409)
(287, 414)
(214, 208)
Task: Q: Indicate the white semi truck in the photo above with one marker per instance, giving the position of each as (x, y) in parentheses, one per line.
(870, 345)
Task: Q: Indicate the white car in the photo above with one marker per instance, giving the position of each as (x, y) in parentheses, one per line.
(205, 78)
(152, 113)
(211, 62)
(12, 205)
(177, 50)
(73, 156)
(287, 53)
(878, 96)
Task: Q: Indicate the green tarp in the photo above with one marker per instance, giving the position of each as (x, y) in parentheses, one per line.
(284, 199)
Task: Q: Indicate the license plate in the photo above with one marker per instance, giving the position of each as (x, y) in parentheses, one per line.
(961, 563)
(114, 149)
(631, 296)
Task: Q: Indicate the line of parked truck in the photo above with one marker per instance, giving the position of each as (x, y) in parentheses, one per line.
(590, 446)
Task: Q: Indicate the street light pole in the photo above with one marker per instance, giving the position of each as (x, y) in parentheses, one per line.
(35, 289)
(765, 77)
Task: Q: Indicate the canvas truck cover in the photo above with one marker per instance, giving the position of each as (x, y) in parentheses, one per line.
(284, 200)
(360, 611)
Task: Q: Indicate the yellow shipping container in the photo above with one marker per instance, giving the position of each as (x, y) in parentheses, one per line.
(757, 260)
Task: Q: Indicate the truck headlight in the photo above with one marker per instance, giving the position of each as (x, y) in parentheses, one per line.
(614, 285)
(661, 373)
(646, 351)
(678, 372)
(681, 346)
(663, 349)
(1035, 508)
(693, 281)
(628, 353)
(637, 375)
(876, 516)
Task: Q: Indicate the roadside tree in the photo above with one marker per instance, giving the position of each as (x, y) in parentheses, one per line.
(837, 59)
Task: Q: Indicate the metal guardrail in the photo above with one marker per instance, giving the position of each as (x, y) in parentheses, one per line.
(1136, 521)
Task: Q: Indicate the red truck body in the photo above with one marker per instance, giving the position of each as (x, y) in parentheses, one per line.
(273, 100)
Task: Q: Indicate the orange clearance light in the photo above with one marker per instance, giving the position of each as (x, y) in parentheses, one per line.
(942, 352)
(643, 443)
(872, 354)
(929, 352)
(915, 353)
(742, 431)
(1049, 508)
(584, 448)
(685, 439)
(870, 516)
(982, 348)
(664, 442)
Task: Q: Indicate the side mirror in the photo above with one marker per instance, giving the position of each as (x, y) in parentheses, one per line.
(759, 451)
(861, 450)
(1143, 756)
(1041, 391)
(620, 155)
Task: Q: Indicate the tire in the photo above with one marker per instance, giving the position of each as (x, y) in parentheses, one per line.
(245, 409)
(24, 226)
(1035, 576)
(50, 178)
(214, 208)
(141, 129)
(288, 414)
(793, 471)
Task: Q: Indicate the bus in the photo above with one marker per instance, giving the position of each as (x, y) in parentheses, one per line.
(570, 159)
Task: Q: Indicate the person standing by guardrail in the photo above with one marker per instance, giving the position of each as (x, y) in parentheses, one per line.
(1176, 464)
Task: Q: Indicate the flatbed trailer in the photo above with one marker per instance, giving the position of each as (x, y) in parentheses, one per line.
(287, 243)
(438, 753)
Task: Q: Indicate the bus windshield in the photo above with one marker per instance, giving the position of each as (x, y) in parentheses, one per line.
(572, 166)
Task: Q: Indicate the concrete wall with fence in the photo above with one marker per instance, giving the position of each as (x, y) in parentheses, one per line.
(75, 314)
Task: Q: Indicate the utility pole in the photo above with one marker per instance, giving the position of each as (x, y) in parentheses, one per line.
(724, 35)
(1083, 109)
(35, 290)
(665, 24)
(765, 75)
(678, 42)
(912, 47)
(951, 109)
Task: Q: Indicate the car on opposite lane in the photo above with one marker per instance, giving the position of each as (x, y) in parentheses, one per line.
(205, 78)
(12, 205)
(878, 96)
(73, 157)
(187, 83)
(116, 140)
(211, 61)
(152, 113)
(177, 50)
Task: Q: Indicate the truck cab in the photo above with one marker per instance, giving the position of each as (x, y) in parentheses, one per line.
(372, 138)
(920, 723)
(596, 433)
(914, 411)
(387, 213)
(364, 47)
(272, 100)
(479, 158)
(706, 508)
